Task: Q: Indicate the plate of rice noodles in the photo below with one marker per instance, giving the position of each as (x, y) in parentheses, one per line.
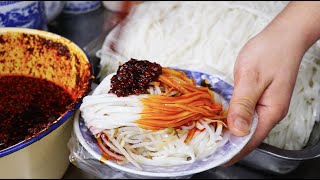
(157, 121)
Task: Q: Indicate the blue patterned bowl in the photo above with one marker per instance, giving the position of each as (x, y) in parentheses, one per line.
(221, 156)
(79, 7)
(27, 14)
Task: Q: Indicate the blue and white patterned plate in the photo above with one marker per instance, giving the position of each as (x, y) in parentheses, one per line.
(222, 155)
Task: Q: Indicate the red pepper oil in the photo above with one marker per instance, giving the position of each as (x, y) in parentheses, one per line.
(28, 106)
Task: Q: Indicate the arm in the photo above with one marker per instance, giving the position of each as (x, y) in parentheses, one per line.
(266, 70)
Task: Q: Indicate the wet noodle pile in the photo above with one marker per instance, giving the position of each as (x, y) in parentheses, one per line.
(173, 122)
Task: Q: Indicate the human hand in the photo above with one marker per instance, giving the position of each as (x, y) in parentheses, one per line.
(265, 73)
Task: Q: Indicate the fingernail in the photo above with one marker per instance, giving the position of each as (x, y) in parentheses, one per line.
(242, 125)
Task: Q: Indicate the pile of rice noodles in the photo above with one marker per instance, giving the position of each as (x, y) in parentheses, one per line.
(175, 123)
(207, 36)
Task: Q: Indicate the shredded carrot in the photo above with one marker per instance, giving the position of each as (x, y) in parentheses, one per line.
(192, 104)
(190, 135)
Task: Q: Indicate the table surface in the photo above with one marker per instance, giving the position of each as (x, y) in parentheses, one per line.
(89, 31)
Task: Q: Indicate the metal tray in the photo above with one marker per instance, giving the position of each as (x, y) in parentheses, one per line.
(274, 160)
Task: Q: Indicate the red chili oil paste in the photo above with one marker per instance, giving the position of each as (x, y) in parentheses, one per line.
(27, 106)
(133, 77)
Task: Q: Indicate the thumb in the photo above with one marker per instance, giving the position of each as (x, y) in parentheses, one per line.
(247, 91)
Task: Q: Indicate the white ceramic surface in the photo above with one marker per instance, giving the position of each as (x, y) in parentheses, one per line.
(53, 9)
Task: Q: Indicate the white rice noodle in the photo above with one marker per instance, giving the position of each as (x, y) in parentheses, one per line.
(138, 146)
(113, 148)
(124, 152)
(174, 152)
(189, 127)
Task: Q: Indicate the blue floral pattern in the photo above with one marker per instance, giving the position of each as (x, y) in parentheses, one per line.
(29, 16)
(3, 3)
